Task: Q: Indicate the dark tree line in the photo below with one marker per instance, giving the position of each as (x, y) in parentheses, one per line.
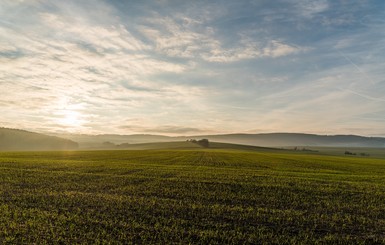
(203, 142)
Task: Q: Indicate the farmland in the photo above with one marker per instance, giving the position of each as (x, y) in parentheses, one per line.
(196, 195)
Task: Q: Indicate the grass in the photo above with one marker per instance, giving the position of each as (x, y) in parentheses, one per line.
(193, 196)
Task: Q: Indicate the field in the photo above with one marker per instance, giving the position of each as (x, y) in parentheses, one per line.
(197, 196)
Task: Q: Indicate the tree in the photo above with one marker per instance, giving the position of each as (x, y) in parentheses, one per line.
(108, 144)
(203, 142)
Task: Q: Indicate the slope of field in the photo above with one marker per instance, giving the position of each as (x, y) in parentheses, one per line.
(341, 151)
(17, 140)
(161, 145)
(197, 196)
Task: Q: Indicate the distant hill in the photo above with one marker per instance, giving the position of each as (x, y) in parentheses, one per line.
(295, 139)
(265, 140)
(21, 140)
(101, 140)
(84, 139)
(15, 139)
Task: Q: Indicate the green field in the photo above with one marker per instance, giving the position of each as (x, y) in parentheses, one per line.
(197, 196)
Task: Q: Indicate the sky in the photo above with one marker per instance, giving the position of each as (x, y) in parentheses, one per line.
(178, 67)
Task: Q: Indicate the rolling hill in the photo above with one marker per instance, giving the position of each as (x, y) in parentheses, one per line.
(21, 140)
(297, 139)
(15, 139)
(265, 140)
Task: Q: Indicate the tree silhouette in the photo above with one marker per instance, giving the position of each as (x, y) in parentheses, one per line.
(203, 142)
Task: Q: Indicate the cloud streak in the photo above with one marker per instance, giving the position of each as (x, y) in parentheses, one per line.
(179, 37)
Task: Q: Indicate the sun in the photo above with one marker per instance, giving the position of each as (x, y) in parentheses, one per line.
(70, 118)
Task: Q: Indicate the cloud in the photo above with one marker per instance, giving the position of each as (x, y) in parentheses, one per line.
(73, 61)
(252, 50)
(174, 39)
(310, 8)
(102, 39)
(184, 37)
(167, 129)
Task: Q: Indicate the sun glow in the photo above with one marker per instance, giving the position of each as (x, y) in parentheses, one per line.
(70, 118)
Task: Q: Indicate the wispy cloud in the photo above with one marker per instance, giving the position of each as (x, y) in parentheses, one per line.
(310, 8)
(189, 38)
(166, 129)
